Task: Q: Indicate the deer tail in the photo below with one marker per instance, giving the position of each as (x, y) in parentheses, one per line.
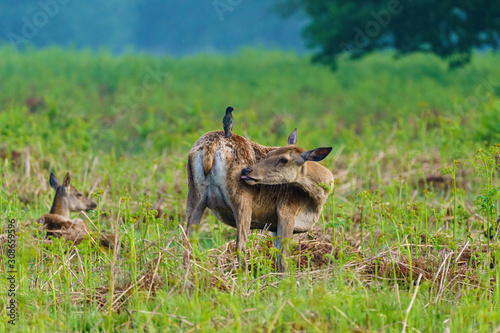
(208, 156)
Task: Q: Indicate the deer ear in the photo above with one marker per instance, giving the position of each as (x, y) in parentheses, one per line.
(67, 181)
(54, 183)
(317, 154)
(292, 138)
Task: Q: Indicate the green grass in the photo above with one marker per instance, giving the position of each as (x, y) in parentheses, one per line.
(392, 125)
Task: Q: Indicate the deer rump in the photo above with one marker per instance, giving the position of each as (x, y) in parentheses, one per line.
(214, 169)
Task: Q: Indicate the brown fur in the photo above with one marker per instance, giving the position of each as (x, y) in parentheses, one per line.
(285, 206)
(73, 231)
(58, 226)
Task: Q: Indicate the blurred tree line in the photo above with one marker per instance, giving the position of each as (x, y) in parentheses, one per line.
(331, 28)
(158, 26)
(450, 29)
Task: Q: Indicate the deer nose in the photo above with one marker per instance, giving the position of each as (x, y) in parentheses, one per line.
(246, 171)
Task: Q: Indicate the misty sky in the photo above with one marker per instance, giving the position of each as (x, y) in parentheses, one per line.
(156, 26)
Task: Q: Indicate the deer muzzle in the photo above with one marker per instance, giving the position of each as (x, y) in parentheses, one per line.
(245, 175)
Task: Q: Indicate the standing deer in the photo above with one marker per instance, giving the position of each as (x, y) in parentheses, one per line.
(249, 186)
(67, 199)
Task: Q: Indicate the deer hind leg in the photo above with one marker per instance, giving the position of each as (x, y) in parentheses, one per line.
(195, 207)
(196, 200)
(242, 210)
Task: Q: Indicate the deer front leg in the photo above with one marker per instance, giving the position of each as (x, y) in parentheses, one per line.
(286, 224)
(274, 235)
(242, 209)
(285, 233)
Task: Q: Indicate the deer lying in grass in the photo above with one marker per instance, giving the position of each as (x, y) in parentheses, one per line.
(67, 199)
(249, 186)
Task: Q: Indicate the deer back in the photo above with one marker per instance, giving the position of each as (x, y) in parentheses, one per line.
(218, 160)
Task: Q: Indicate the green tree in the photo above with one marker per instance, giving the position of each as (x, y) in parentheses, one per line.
(353, 28)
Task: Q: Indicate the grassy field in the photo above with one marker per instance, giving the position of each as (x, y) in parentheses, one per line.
(399, 246)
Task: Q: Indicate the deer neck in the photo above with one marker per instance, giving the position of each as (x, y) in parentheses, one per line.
(59, 206)
(316, 181)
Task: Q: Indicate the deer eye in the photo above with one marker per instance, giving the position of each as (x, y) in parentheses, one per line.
(79, 195)
(283, 160)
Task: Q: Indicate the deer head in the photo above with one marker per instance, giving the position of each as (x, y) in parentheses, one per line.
(284, 165)
(68, 198)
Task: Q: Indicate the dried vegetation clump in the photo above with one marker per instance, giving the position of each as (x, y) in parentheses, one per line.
(445, 267)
